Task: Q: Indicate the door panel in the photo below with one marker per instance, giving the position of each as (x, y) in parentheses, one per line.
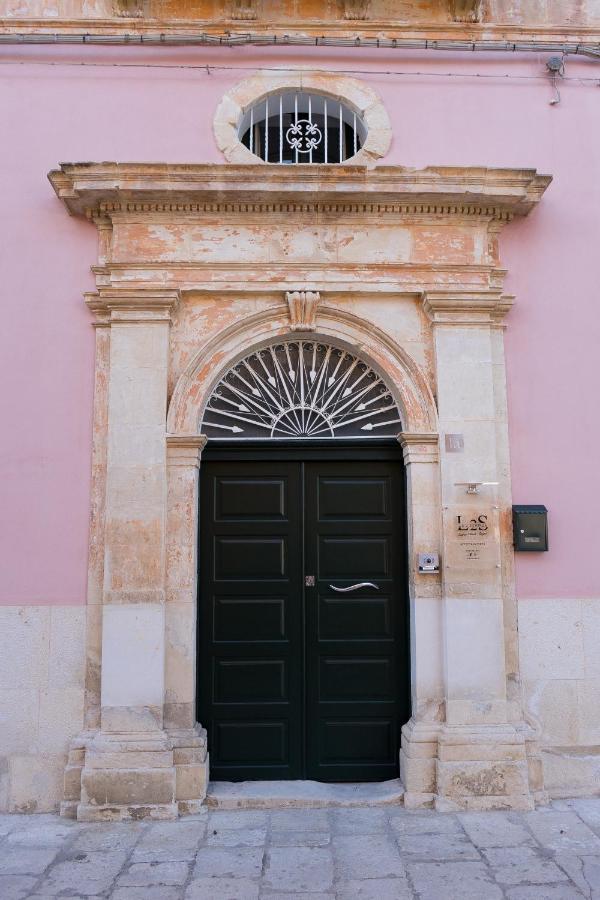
(250, 498)
(295, 681)
(250, 622)
(353, 557)
(356, 673)
(354, 498)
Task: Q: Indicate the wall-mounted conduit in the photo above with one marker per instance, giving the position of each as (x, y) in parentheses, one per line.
(591, 51)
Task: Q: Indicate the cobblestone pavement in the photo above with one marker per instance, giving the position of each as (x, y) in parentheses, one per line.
(322, 854)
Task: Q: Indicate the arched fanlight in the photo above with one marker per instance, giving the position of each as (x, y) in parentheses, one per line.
(295, 127)
(301, 389)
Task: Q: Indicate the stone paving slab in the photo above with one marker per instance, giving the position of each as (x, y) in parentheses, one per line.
(325, 853)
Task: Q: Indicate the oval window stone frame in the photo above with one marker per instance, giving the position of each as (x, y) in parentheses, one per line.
(350, 91)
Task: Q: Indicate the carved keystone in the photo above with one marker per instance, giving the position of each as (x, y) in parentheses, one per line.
(302, 306)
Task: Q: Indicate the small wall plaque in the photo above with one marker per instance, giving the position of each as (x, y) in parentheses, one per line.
(455, 443)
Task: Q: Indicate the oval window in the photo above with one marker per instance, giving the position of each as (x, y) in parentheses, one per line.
(294, 127)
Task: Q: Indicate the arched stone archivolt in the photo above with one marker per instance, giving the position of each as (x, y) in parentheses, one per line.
(400, 372)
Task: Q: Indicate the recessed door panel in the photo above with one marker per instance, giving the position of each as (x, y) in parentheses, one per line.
(235, 617)
(367, 744)
(259, 745)
(250, 498)
(246, 557)
(353, 556)
(249, 681)
(355, 679)
(348, 617)
(353, 498)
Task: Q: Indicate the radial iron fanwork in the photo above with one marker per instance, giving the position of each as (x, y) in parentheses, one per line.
(301, 389)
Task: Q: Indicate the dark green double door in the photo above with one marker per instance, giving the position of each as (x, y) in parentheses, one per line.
(297, 679)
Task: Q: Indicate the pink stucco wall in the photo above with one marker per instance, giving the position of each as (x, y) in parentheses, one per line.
(56, 113)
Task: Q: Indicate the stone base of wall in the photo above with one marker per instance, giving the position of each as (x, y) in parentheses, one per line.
(571, 771)
(42, 696)
(559, 655)
(122, 777)
(42, 651)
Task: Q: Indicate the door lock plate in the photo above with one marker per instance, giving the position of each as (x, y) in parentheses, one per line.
(309, 580)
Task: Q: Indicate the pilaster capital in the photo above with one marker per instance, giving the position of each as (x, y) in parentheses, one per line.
(185, 449)
(116, 306)
(466, 308)
(419, 447)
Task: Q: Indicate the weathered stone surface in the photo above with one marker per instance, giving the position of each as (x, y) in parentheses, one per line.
(90, 873)
(16, 887)
(41, 831)
(562, 831)
(241, 862)
(375, 889)
(434, 857)
(146, 893)
(228, 889)
(424, 823)
(236, 837)
(300, 838)
(371, 856)
(522, 865)
(467, 880)
(128, 786)
(495, 829)
(436, 846)
(299, 869)
(225, 819)
(154, 873)
(360, 821)
(25, 860)
(551, 892)
(164, 836)
(107, 838)
(300, 820)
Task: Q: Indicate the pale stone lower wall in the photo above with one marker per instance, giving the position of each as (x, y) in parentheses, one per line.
(42, 652)
(559, 646)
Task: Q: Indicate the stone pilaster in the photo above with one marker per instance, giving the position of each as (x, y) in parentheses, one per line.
(188, 738)
(418, 749)
(481, 756)
(128, 766)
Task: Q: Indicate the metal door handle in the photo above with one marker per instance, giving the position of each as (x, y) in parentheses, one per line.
(354, 587)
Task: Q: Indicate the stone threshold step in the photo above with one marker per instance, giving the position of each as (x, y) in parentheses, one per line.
(301, 794)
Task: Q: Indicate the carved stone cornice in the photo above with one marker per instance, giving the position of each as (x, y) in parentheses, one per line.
(91, 189)
(465, 308)
(132, 305)
(420, 447)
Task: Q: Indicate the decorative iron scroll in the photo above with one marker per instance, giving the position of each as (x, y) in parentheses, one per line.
(301, 389)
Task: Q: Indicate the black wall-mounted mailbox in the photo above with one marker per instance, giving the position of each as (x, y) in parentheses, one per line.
(530, 527)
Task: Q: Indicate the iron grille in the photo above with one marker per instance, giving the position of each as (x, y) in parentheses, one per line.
(301, 389)
(294, 127)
